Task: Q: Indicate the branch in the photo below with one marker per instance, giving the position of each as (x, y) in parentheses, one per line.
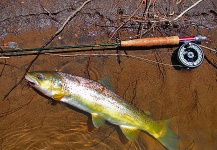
(65, 23)
(187, 10)
(126, 20)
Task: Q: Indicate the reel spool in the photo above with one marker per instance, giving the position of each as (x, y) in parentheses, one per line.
(190, 55)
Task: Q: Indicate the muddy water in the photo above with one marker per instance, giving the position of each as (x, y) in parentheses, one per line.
(28, 120)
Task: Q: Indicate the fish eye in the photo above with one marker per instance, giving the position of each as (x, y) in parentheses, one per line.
(40, 76)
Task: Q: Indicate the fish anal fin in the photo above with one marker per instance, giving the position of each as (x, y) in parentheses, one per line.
(131, 133)
(97, 120)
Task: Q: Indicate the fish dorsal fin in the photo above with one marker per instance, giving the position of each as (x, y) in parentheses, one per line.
(131, 133)
(97, 120)
(107, 83)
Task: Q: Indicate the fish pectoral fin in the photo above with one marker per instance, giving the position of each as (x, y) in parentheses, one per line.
(131, 133)
(58, 96)
(97, 120)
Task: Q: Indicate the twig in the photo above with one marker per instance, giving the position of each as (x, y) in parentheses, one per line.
(14, 110)
(147, 9)
(211, 49)
(126, 20)
(3, 57)
(45, 44)
(3, 69)
(71, 16)
(210, 62)
(49, 13)
(36, 14)
(3, 63)
(187, 10)
(141, 26)
(65, 23)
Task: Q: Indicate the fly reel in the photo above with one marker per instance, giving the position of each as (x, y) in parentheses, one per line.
(190, 55)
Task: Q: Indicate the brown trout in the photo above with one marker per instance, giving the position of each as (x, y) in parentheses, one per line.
(103, 104)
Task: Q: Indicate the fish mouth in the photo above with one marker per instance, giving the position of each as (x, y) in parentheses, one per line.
(30, 81)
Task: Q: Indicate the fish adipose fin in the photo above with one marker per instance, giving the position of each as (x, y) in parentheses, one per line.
(97, 120)
(170, 140)
(131, 133)
(147, 113)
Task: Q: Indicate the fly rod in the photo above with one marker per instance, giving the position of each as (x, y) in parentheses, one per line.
(190, 54)
(144, 42)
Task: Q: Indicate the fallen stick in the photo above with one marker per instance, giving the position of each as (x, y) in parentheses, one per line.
(65, 23)
(180, 15)
(126, 20)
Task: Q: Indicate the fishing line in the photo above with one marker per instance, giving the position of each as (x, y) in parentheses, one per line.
(211, 49)
(132, 56)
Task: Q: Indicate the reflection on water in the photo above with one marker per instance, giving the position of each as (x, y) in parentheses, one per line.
(47, 132)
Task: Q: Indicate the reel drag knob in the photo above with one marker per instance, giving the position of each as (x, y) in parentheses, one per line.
(190, 55)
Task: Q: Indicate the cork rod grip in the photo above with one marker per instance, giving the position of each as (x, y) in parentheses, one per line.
(147, 42)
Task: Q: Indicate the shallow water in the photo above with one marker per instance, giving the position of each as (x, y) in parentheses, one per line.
(28, 120)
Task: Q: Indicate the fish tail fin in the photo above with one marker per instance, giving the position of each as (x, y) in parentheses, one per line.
(170, 140)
